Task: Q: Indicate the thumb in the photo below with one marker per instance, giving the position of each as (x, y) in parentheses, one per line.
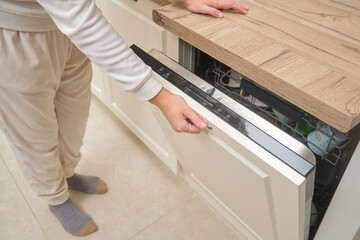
(195, 119)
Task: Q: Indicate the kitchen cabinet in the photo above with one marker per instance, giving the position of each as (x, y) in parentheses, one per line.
(251, 171)
(306, 52)
(132, 20)
(258, 193)
(100, 85)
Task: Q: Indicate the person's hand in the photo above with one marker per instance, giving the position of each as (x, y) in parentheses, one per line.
(180, 116)
(211, 6)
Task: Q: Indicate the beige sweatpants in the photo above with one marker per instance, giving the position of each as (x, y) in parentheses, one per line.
(44, 106)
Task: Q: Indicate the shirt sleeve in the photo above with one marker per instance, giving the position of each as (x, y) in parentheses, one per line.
(83, 23)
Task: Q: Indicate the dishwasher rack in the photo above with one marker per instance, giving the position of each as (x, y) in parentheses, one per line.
(331, 166)
(292, 127)
(328, 165)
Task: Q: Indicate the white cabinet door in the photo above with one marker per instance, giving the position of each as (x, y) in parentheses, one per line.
(137, 116)
(265, 186)
(133, 23)
(100, 85)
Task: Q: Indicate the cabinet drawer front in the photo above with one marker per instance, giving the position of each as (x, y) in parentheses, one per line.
(98, 83)
(132, 21)
(137, 116)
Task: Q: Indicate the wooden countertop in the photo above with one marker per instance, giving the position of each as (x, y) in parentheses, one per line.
(307, 52)
(164, 2)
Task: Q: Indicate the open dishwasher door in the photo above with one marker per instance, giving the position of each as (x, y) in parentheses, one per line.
(262, 177)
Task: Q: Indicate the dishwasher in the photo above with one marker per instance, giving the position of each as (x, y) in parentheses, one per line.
(271, 167)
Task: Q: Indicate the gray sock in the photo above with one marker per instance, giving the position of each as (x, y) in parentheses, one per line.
(82, 183)
(70, 217)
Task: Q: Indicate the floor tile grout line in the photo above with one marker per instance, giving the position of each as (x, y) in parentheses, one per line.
(23, 195)
(6, 180)
(163, 216)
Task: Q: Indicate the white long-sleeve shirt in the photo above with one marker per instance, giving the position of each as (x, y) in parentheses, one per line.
(82, 22)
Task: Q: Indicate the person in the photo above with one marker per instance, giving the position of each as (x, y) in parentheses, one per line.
(45, 72)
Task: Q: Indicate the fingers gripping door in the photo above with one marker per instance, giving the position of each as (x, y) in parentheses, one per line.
(268, 198)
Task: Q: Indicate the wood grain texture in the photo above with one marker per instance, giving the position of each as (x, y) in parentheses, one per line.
(307, 52)
(164, 2)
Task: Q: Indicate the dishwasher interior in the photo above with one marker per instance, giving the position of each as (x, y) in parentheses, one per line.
(333, 149)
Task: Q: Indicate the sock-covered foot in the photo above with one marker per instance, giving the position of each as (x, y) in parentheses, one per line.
(87, 184)
(72, 219)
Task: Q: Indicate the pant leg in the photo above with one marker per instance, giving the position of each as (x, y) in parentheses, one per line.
(72, 103)
(31, 65)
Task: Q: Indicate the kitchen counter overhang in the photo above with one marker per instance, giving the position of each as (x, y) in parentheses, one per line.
(303, 51)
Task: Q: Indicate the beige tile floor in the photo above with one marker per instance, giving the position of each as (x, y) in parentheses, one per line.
(145, 201)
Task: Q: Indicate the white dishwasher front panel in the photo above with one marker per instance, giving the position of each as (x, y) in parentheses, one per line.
(262, 177)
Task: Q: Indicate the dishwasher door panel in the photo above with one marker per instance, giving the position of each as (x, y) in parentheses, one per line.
(267, 196)
(264, 194)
